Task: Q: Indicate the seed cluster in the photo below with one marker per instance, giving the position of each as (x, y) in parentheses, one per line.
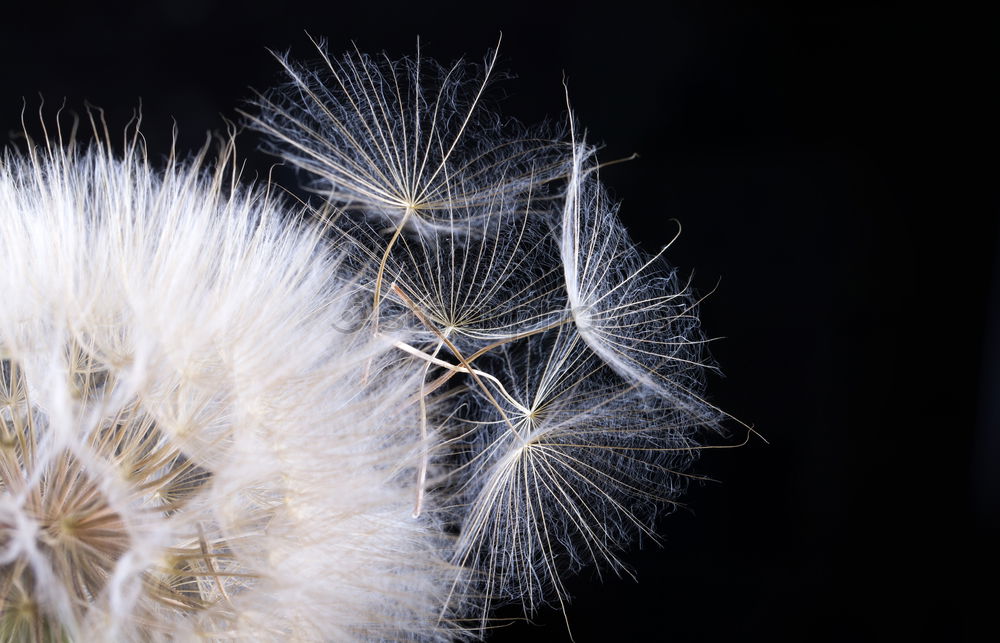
(444, 382)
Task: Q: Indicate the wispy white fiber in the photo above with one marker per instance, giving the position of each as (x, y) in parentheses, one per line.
(403, 139)
(187, 445)
(445, 384)
(563, 367)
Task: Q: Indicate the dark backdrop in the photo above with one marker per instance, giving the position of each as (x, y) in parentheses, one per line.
(809, 154)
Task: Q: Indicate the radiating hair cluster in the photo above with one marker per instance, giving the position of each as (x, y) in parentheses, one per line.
(444, 382)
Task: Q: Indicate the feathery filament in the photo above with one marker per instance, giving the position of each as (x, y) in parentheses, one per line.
(200, 437)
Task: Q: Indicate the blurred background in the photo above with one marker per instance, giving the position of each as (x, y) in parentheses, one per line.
(816, 158)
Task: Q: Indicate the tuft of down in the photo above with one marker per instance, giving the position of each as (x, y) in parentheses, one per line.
(563, 367)
(188, 448)
(445, 385)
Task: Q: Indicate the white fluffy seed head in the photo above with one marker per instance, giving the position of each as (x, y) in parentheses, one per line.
(202, 437)
(188, 446)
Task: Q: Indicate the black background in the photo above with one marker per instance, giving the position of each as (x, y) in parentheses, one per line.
(819, 159)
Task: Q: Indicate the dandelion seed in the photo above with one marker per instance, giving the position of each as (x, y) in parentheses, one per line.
(632, 310)
(484, 278)
(590, 461)
(407, 140)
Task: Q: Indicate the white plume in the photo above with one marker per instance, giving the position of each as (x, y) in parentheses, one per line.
(188, 446)
(450, 384)
(579, 360)
(404, 139)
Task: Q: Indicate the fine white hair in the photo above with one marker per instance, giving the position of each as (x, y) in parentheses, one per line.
(189, 445)
(444, 387)
(580, 359)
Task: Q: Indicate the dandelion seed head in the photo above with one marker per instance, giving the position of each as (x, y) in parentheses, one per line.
(175, 408)
(449, 385)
